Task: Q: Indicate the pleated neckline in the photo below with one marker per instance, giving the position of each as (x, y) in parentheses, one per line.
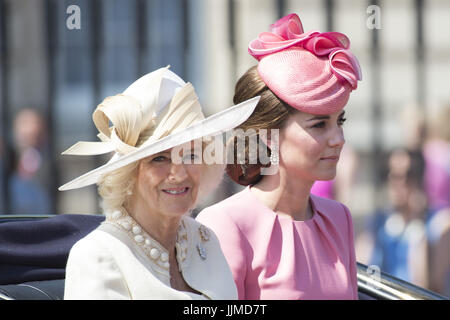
(285, 217)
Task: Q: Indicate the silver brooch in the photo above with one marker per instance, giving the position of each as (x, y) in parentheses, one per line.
(204, 233)
(201, 251)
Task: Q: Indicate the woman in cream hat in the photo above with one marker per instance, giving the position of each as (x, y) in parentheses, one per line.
(148, 247)
(280, 241)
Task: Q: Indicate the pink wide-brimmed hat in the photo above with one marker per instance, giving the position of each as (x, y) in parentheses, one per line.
(313, 72)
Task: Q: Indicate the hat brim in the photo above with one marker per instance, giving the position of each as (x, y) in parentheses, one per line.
(211, 126)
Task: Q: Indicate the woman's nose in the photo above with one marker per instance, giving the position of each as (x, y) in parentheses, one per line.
(177, 173)
(337, 137)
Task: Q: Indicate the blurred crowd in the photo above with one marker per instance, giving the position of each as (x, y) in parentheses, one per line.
(24, 166)
(407, 237)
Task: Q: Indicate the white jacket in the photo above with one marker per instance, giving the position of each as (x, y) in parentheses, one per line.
(119, 260)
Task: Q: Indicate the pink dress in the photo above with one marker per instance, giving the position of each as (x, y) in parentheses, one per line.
(275, 257)
(324, 189)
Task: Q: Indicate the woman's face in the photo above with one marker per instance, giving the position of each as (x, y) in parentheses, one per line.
(166, 188)
(310, 145)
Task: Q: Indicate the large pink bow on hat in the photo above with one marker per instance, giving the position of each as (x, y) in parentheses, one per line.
(288, 32)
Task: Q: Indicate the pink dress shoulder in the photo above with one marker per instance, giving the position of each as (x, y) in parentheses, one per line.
(275, 257)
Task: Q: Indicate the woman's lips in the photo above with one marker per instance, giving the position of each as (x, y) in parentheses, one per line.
(176, 191)
(330, 158)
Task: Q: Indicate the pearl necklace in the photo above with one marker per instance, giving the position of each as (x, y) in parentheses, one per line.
(151, 248)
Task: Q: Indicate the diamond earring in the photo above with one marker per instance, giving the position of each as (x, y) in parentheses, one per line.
(274, 157)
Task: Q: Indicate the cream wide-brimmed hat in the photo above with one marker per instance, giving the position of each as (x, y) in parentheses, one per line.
(159, 108)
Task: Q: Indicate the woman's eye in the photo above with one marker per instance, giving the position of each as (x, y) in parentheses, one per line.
(341, 121)
(159, 159)
(319, 125)
(190, 157)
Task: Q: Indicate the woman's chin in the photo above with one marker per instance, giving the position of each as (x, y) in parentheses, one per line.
(178, 204)
(326, 176)
(179, 210)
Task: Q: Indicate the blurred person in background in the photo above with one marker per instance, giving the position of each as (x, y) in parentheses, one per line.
(436, 152)
(439, 253)
(27, 192)
(395, 239)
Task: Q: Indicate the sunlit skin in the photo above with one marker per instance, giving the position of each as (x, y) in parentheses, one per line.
(309, 150)
(163, 193)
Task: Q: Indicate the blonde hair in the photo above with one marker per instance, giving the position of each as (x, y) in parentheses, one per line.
(114, 187)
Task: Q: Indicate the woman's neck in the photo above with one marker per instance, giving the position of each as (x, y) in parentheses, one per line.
(285, 195)
(160, 227)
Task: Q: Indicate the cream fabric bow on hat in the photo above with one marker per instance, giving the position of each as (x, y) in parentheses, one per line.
(130, 118)
(157, 112)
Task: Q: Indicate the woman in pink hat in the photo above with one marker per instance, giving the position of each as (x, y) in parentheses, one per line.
(280, 241)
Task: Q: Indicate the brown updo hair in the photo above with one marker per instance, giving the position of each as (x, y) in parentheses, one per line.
(270, 113)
